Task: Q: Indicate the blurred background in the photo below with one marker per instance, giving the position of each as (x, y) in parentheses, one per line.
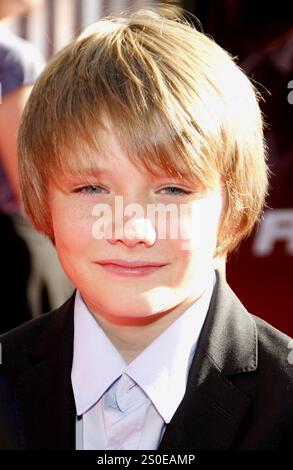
(260, 35)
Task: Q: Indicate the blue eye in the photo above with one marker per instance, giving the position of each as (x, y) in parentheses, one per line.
(91, 189)
(175, 191)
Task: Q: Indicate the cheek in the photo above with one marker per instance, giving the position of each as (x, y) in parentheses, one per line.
(198, 228)
(72, 229)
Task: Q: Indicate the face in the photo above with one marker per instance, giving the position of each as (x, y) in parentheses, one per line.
(127, 254)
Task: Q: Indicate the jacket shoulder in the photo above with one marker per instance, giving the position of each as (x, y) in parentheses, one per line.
(19, 337)
(18, 342)
(274, 348)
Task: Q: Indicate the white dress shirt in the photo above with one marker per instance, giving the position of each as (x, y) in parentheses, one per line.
(126, 406)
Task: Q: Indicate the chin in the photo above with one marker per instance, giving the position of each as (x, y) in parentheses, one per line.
(134, 305)
(124, 310)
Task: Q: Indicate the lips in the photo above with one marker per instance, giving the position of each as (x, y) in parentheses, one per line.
(131, 264)
(130, 268)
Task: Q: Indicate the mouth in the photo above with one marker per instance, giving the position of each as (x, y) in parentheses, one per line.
(130, 268)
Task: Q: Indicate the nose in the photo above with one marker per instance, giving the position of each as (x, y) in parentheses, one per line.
(133, 232)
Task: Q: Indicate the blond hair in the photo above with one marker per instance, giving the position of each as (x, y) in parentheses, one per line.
(177, 102)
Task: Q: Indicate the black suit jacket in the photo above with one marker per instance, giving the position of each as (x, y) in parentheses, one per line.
(239, 393)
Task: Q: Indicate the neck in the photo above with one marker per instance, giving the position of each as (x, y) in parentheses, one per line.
(130, 339)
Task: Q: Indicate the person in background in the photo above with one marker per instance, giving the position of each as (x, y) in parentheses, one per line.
(32, 279)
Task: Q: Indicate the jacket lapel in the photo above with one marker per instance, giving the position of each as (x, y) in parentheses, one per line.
(44, 393)
(213, 407)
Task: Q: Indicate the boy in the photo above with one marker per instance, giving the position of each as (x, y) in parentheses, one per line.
(141, 156)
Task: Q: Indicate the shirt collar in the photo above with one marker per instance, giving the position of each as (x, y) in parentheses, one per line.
(96, 362)
(161, 367)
